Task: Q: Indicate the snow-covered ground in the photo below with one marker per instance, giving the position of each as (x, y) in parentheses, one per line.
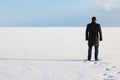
(57, 53)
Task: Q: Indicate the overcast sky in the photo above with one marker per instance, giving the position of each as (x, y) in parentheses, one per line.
(58, 13)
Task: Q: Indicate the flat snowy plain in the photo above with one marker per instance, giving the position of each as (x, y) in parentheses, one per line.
(57, 53)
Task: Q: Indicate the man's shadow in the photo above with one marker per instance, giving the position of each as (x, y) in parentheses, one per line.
(34, 59)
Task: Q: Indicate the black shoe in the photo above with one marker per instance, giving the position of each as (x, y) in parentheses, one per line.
(97, 59)
(89, 59)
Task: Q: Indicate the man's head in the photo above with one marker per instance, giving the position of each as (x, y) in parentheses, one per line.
(93, 19)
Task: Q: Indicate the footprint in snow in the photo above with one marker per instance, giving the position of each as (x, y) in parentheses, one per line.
(111, 73)
(109, 77)
(113, 66)
(105, 74)
(118, 73)
(110, 68)
(107, 69)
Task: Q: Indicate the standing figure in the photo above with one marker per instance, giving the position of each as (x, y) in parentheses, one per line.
(93, 35)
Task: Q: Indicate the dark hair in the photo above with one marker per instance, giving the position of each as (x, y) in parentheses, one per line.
(93, 18)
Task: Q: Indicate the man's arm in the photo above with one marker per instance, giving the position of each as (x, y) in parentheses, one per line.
(100, 32)
(86, 33)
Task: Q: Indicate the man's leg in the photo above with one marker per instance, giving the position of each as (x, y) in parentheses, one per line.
(89, 52)
(96, 53)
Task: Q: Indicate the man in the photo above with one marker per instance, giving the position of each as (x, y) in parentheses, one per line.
(93, 35)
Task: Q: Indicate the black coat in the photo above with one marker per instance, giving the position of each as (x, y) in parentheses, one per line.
(93, 33)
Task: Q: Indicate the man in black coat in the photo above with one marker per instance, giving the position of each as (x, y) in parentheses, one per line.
(93, 35)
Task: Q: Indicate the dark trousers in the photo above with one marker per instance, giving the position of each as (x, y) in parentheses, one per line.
(90, 52)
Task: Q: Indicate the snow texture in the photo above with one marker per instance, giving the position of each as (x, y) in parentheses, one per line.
(37, 53)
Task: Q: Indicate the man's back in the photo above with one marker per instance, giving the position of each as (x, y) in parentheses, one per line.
(92, 31)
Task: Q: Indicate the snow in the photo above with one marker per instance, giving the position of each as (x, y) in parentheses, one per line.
(57, 53)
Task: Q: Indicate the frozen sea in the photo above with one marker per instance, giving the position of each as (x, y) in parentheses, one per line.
(57, 53)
